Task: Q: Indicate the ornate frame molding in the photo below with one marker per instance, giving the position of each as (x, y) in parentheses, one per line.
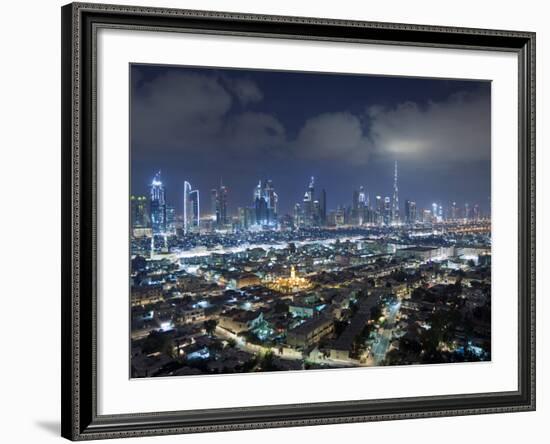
(80, 22)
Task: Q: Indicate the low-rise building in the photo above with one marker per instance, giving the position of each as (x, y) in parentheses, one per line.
(145, 295)
(236, 280)
(238, 321)
(310, 332)
(301, 310)
(425, 253)
(191, 314)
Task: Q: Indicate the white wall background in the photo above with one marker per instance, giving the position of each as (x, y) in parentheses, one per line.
(30, 219)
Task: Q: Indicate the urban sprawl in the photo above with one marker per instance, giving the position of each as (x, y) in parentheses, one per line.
(233, 290)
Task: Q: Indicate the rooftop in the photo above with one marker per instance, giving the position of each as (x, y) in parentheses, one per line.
(419, 248)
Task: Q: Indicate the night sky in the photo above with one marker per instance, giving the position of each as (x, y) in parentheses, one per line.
(204, 124)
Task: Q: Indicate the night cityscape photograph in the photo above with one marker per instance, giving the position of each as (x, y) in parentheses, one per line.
(284, 220)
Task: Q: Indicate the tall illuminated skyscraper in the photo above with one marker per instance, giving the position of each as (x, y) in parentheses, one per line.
(362, 197)
(170, 220)
(221, 205)
(191, 208)
(260, 207)
(388, 213)
(298, 215)
(265, 204)
(454, 211)
(355, 200)
(308, 207)
(139, 213)
(214, 203)
(258, 193)
(410, 211)
(434, 212)
(196, 204)
(395, 200)
(379, 210)
(158, 205)
(272, 202)
(360, 206)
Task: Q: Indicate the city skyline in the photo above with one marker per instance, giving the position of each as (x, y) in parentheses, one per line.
(254, 135)
(263, 209)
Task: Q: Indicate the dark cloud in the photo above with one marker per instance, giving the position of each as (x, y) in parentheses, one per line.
(192, 112)
(337, 135)
(455, 130)
(245, 90)
(253, 130)
(176, 109)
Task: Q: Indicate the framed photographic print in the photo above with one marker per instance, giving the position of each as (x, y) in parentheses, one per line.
(280, 221)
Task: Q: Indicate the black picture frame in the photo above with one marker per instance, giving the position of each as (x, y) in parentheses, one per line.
(80, 420)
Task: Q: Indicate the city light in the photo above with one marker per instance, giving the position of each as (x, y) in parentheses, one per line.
(253, 287)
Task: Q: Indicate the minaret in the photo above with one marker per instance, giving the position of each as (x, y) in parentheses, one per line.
(395, 202)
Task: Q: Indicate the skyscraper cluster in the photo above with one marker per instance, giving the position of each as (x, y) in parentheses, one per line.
(156, 215)
(382, 211)
(313, 210)
(265, 204)
(263, 212)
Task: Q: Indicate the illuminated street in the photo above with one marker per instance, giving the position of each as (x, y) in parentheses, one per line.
(383, 339)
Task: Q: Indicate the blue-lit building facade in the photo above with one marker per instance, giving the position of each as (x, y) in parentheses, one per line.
(154, 215)
(158, 205)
